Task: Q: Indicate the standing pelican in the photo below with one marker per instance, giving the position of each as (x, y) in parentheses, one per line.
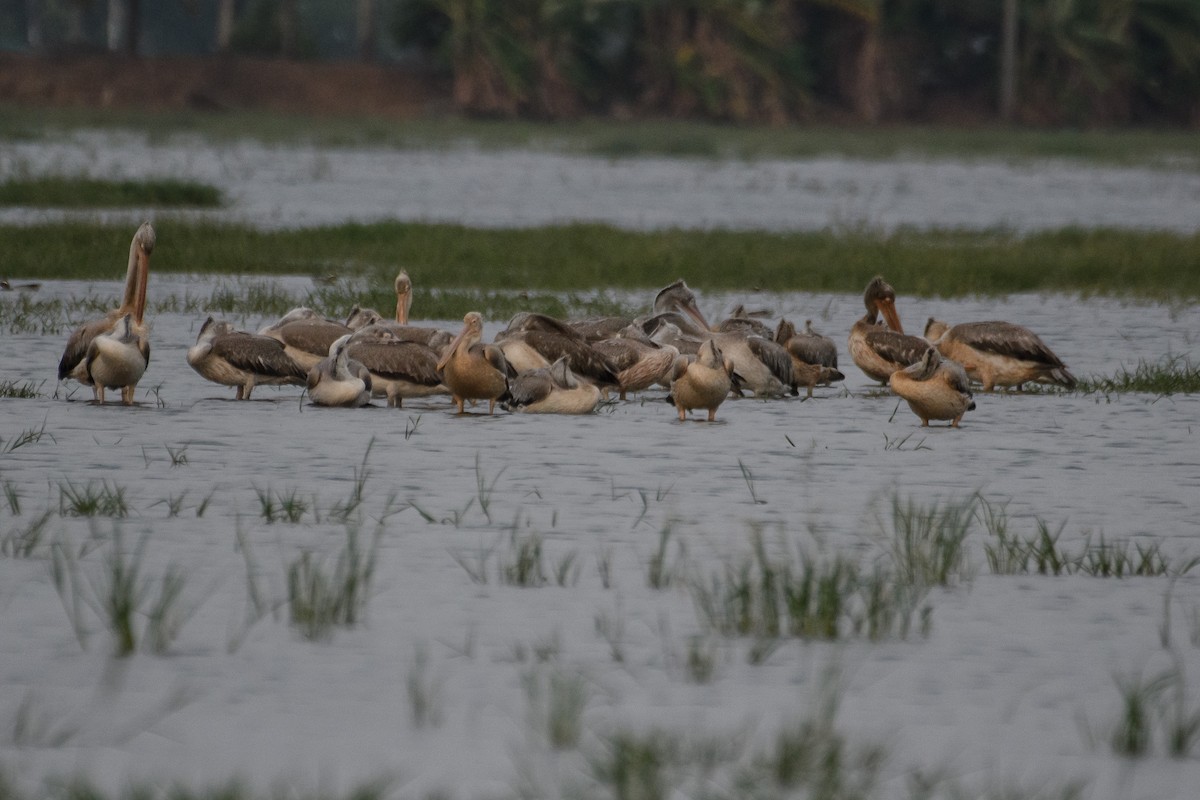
(124, 356)
(999, 353)
(472, 370)
(876, 350)
(814, 357)
(337, 380)
(934, 388)
(554, 390)
(703, 382)
(306, 335)
(399, 369)
(231, 357)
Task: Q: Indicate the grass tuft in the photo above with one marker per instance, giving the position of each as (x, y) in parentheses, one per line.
(64, 192)
(1171, 374)
(321, 598)
(93, 499)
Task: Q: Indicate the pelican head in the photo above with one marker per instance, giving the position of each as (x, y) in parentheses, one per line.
(783, 331)
(561, 374)
(934, 329)
(362, 317)
(212, 328)
(403, 297)
(678, 297)
(923, 370)
(338, 348)
(880, 297)
(472, 333)
(710, 355)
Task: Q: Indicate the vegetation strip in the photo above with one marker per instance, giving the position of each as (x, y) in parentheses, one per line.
(1154, 265)
(59, 192)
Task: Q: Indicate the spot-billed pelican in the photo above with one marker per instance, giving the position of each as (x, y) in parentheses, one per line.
(701, 382)
(306, 335)
(337, 380)
(124, 355)
(399, 369)
(999, 353)
(814, 357)
(231, 357)
(935, 388)
(876, 350)
(552, 390)
(472, 370)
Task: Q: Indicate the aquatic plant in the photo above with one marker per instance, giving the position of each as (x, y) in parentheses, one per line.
(103, 499)
(23, 541)
(556, 698)
(424, 691)
(522, 564)
(25, 437)
(1171, 374)
(287, 506)
(25, 390)
(928, 542)
(322, 598)
(68, 192)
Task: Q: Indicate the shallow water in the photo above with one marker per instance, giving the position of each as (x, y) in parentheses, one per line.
(993, 696)
(304, 186)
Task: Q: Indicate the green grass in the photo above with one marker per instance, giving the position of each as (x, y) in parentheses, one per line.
(577, 258)
(1169, 375)
(62, 192)
(610, 138)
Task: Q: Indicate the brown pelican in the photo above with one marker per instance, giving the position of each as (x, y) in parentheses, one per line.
(399, 369)
(999, 353)
(554, 390)
(231, 357)
(337, 380)
(814, 357)
(122, 358)
(306, 335)
(702, 382)
(934, 388)
(472, 370)
(877, 351)
(640, 361)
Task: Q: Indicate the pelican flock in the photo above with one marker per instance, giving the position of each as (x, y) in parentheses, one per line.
(542, 365)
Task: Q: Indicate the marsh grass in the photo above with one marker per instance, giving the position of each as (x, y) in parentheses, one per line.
(23, 390)
(322, 598)
(468, 268)
(928, 542)
(523, 564)
(286, 506)
(425, 691)
(22, 541)
(71, 192)
(26, 437)
(79, 788)
(103, 499)
(1171, 374)
(556, 698)
(1041, 553)
(662, 571)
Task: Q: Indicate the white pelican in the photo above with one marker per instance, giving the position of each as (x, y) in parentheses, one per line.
(472, 370)
(339, 381)
(121, 359)
(702, 382)
(814, 357)
(231, 357)
(876, 350)
(999, 353)
(554, 390)
(935, 388)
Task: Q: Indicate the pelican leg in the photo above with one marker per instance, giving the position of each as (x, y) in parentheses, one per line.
(491, 405)
(458, 401)
(682, 414)
(249, 388)
(127, 394)
(98, 393)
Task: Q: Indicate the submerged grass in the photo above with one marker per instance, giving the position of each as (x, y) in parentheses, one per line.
(65, 192)
(581, 257)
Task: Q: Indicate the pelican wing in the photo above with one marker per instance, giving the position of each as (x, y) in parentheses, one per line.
(583, 359)
(899, 348)
(398, 360)
(811, 349)
(774, 356)
(79, 342)
(596, 329)
(621, 353)
(1006, 339)
(530, 387)
(261, 355)
(311, 335)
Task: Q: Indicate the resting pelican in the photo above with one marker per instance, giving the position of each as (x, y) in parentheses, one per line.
(337, 380)
(877, 351)
(676, 297)
(999, 353)
(531, 339)
(472, 370)
(934, 388)
(399, 369)
(555, 390)
(306, 335)
(702, 382)
(640, 361)
(814, 357)
(231, 357)
(123, 356)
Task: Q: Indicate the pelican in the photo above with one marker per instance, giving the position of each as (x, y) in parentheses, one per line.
(676, 297)
(433, 337)
(555, 390)
(934, 388)
(399, 369)
(999, 353)
(231, 357)
(814, 357)
(472, 370)
(306, 335)
(702, 382)
(337, 380)
(550, 340)
(122, 358)
(877, 351)
(640, 361)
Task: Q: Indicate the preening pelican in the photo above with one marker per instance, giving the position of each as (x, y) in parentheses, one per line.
(549, 340)
(306, 335)
(935, 388)
(640, 361)
(472, 370)
(231, 357)
(999, 353)
(877, 351)
(553, 390)
(122, 358)
(399, 369)
(702, 382)
(337, 380)
(814, 357)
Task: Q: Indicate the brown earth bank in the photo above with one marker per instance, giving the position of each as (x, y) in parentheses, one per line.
(224, 83)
